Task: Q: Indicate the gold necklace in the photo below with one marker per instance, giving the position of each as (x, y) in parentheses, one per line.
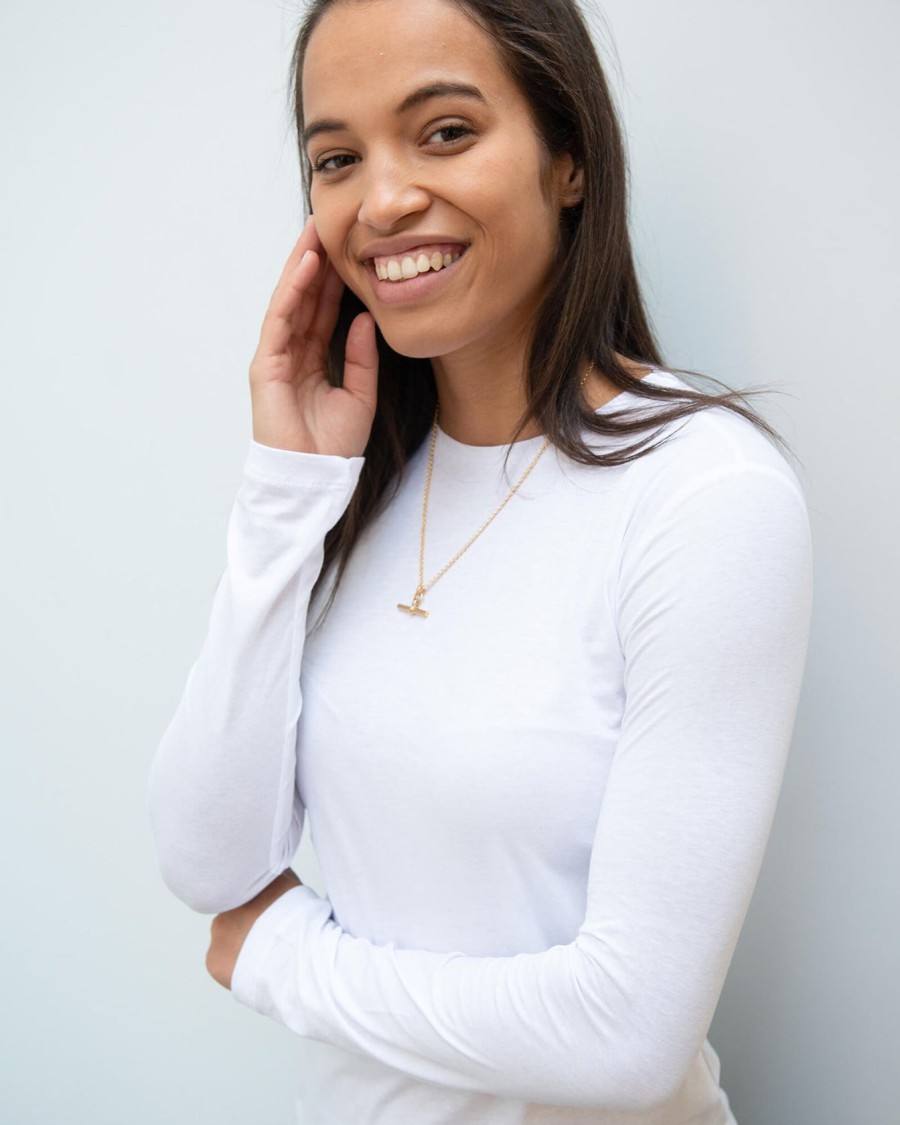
(413, 609)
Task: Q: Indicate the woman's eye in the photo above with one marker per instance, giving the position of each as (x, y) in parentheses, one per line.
(333, 163)
(448, 134)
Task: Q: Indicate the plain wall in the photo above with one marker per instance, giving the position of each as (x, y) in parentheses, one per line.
(148, 199)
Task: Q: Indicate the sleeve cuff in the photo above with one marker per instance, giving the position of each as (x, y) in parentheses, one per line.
(276, 955)
(310, 470)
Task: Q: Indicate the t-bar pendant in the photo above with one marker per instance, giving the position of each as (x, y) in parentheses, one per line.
(413, 609)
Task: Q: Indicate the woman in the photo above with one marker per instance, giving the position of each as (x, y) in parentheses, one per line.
(540, 771)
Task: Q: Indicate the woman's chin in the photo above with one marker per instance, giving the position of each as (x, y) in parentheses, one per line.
(415, 345)
(414, 352)
(422, 333)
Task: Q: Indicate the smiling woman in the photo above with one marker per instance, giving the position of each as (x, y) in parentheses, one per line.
(539, 802)
(445, 145)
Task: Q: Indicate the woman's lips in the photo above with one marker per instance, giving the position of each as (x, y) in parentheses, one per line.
(421, 286)
(406, 264)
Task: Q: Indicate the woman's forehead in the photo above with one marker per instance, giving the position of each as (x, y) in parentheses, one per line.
(383, 49)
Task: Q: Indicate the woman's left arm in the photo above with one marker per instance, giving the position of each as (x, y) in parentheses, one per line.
(713, 596)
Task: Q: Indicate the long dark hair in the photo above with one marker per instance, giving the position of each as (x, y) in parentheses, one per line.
(593, 308)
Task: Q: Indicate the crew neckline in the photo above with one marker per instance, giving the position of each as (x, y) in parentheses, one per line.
(651, 376)
(470, 462)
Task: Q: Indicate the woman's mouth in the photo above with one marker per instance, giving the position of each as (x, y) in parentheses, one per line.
(423, 259)
(416, 274)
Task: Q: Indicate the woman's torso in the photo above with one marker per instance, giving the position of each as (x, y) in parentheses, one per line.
(453, 767)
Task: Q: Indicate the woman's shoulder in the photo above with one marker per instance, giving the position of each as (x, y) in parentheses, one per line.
(713, 448)
(711, 439)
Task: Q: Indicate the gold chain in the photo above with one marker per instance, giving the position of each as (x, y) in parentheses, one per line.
(422, 589)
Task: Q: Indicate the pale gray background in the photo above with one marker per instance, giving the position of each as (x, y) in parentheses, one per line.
(149, 196)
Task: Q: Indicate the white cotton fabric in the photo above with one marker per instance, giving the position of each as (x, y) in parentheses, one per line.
(540, 812)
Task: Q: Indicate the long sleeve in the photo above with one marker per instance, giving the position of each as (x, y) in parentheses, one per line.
(712, 593)
(222, 801)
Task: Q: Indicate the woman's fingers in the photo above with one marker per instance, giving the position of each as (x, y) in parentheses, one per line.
(361, 360)
(293, 299)
(297, 276)
(294, 407)
(308, 290)
(308, 240)
(328, 305)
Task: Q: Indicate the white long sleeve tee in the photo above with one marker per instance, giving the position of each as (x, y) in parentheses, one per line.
(539, 812)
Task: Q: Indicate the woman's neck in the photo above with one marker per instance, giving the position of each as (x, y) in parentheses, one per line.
(481, 409)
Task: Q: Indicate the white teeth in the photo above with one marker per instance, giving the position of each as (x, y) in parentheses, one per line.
(403, 269)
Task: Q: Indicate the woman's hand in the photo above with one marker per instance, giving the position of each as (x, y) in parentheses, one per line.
(229, 930)
(294, 406)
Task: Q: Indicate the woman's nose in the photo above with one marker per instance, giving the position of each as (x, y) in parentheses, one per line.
(390, 194)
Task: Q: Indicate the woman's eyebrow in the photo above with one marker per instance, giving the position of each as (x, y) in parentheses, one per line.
(416, 98)
(323, 126)
(440, 90)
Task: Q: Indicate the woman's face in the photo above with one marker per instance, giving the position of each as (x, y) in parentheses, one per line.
(427, 162)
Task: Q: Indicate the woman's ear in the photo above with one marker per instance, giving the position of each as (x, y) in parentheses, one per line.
(569, 181)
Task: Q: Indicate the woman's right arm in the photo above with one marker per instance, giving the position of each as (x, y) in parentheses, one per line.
(222, 799)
